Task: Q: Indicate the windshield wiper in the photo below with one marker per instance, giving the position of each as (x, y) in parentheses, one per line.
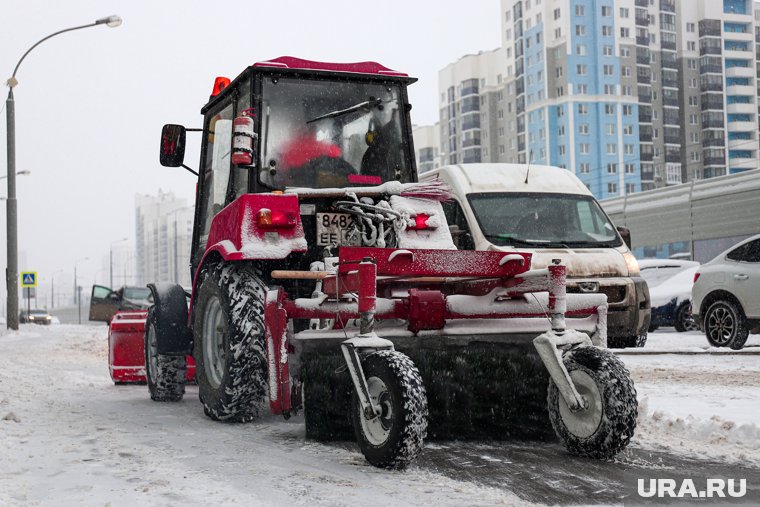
(367, 105)
(511, 240)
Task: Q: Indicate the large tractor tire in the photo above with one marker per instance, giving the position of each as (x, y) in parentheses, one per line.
(165, 375)
(725, 325)
(606, 426)
(393, 438)
(229, 344)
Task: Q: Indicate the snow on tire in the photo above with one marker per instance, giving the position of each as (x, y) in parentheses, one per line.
(229, 345)
(165, 374)
(607, 425)
(395, 437)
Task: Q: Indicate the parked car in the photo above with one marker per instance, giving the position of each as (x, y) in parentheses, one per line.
(726, 295)
(35, 317)
(670, 282)
(105, 302)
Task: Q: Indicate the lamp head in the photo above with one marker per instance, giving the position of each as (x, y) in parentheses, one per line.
(111, 21)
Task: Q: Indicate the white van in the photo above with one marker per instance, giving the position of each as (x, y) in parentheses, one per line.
(548, 211)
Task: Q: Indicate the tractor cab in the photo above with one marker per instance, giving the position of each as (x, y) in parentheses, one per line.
(288, 124)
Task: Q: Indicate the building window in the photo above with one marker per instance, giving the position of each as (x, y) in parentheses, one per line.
(625, 70)
(628, 149)
(691, 45)
(580, 49)
(560, 111)
(585, 168)
(611, 168)
(609, 89)
(692, 119)
(582, 89)
(624, 12)
(630, 188)
(627, 130)
(607, 50)
(556, 13)
(606, 10)
(609, 109)
(584, 148)
(627, 110)
(627, 90)
(580, 10)
(561, 149)
(580, 30)
(625, 52)
(630, 168)
(611, 149)
(557, 33)
(582, 109)
(561, 130)
(583, 129)
(580, 69)
(609, 129)
(606, 31)
(690, 27)
(625, 33)
(612, 188)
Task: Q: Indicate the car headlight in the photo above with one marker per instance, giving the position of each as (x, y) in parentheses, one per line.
(632, 264)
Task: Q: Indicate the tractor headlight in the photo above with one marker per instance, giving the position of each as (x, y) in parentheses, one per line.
(632, 264)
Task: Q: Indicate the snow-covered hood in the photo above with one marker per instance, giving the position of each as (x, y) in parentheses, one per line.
(677, 287)
(580, 262)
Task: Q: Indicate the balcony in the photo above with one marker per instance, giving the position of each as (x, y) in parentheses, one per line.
(670, 64)
(471, 142)
(709, 28)
(642, 21)
(741, 108)
(645, 118)
(643, 78)
(717, 142)
(709, 50)
(670, 83)
(713, 123)
(715, 104)
(642, 41)
(741, 144)
(642, 3)
(741, 126)
(740, 72)
(645, 137)
(673, 157)
(710, 68)
(645, 98)
(668, 45)
(646, 156)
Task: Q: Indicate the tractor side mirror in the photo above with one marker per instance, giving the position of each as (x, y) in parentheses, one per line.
(172, 145)
(625, 233)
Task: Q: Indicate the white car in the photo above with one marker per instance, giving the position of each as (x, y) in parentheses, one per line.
(726, 295)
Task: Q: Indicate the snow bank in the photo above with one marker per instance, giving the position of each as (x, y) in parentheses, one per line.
(715, 437)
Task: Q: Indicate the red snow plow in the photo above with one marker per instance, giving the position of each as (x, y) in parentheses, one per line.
(326, 280)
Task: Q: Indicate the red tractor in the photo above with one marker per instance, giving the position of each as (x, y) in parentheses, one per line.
(318, 258)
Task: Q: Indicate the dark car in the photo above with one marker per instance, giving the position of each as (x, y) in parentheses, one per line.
(105, 302)
(670, 282)
(35, 317)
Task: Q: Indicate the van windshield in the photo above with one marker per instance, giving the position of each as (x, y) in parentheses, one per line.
(543, 220)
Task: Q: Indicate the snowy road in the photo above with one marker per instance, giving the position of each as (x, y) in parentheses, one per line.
(69, 437)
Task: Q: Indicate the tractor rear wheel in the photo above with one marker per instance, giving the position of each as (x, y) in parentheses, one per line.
(165, 375)
(393, 438)
(229, 345)
(606, 425)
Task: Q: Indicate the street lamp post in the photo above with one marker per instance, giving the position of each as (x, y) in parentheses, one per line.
(52, 288)
(11, 273)
(77, 294)
(110, 286)
(17, 174)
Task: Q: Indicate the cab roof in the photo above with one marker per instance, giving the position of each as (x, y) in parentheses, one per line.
(478, 178)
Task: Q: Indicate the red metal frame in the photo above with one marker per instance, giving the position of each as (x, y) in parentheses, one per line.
(126, 348)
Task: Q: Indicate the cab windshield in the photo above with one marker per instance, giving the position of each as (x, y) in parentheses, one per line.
(321, 133)
(543, 220)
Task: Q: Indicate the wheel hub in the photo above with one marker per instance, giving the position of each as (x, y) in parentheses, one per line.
(720, 325)
(377, 429)
(583, 422)
(213, 342)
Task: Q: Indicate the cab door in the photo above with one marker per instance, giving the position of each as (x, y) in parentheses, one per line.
(743, 276)
(104, 303)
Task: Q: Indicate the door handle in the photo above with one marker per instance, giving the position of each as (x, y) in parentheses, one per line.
(741, 277)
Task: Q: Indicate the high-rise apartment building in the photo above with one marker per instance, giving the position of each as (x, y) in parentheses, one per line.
(164, 229)
(473, 106)
(630, 95)
(427, 147)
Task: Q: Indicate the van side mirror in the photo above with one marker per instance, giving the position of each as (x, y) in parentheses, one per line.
(625, 233)
(172, 145)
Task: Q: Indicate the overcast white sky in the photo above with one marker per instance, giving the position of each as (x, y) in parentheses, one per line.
(90, 104)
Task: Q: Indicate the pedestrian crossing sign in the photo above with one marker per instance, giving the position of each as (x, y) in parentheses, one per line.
(29, 279)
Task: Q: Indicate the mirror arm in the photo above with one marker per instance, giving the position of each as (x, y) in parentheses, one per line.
(187, 168)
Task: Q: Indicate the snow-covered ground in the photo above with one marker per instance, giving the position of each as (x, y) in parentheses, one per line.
(68, 436)
(697, 399)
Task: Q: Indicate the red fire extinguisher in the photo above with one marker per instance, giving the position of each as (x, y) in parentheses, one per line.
(243, 138)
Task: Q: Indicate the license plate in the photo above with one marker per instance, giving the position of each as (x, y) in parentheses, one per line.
(334, 229)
